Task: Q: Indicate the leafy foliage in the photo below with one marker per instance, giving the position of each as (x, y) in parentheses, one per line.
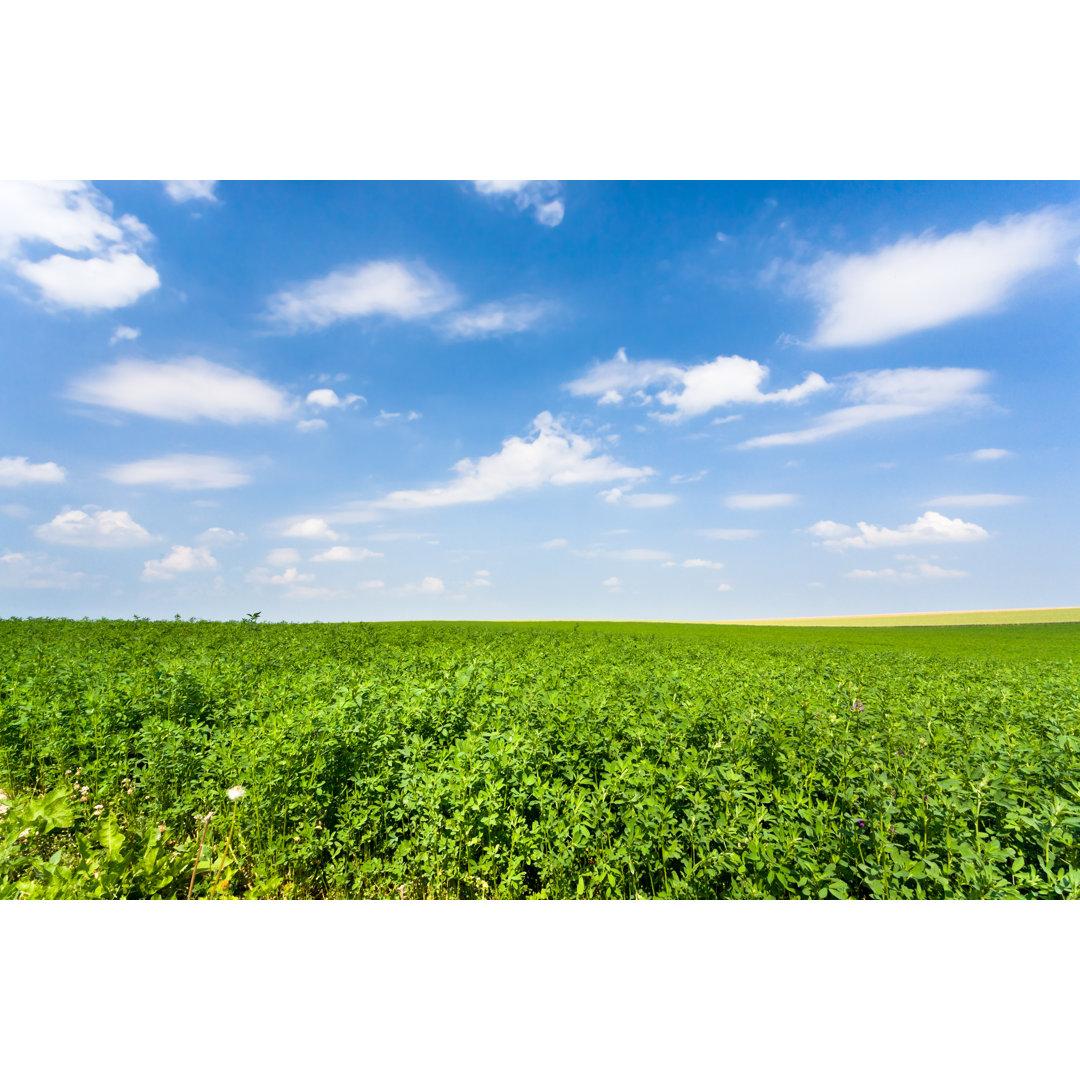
(545, 760)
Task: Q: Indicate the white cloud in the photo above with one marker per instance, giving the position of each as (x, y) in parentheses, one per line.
(627, 554)
(218, 537)
(185, 389)
(374, 583)
(916, 572)
(968, 501)
(728, 534)
(124, 333)
(612, 582)
(644, 501)
(311, 425)
(16, 510)
(891, 394)
(385, 417)
(283, 556)
(182, 472)
(540, 196)
(689, 391)
(394, 289)
(690, 478)
(430, 586)
(327, 399)
(75, 217)
(496, 319)
(110, 281)
(705, 564)
(102, 529)
(290, 577)
(929, 528)
(32, 571)
(760, 502)
(186, 190)
(311, 529)
(928, 281)
(181, 560)
(989, 454)
(389, 537)
(723, 588)
(554, 455)
(558, 542)
(346, 554)
(15, 471)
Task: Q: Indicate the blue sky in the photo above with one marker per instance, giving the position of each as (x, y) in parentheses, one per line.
(537, 399)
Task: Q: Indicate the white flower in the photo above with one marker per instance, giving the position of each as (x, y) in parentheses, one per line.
(4, 808)
(235, 793)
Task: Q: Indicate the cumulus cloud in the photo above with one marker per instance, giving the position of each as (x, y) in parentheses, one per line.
(124, 333)
(542, 197)
(185, 389)
(496, 319)
(283, 556)
(968, 501)
(186, 190)
(182, 472)
(929, 528)
(688, 391)
(181, 560)
(16, 471)
(891, 394)
(643, 501)
(554, 455)
(430, 586)
(393, 289)
(105, 272)
(218, 537)
(927, 281)
(101, 529)
(311, 529)
(325, 398)
(19, 570)
(728, 534)
(346, 554)
(760, 502)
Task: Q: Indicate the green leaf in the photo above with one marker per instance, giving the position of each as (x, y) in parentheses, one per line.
(109, 836)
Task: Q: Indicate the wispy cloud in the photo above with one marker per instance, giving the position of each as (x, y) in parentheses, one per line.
(927, 281)
(182, 472)
(496, 319)
(186, 389)
(968, 501)
(542, 197)
(892, 394)
(760, 502)
(396, 290)
(187, 190)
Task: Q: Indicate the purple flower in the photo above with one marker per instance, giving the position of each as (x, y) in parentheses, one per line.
(857, 706)
(861, 823)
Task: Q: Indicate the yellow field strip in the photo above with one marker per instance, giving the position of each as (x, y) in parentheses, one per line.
(1014, 616)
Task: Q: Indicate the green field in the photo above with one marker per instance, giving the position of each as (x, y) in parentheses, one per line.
(520, 760)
